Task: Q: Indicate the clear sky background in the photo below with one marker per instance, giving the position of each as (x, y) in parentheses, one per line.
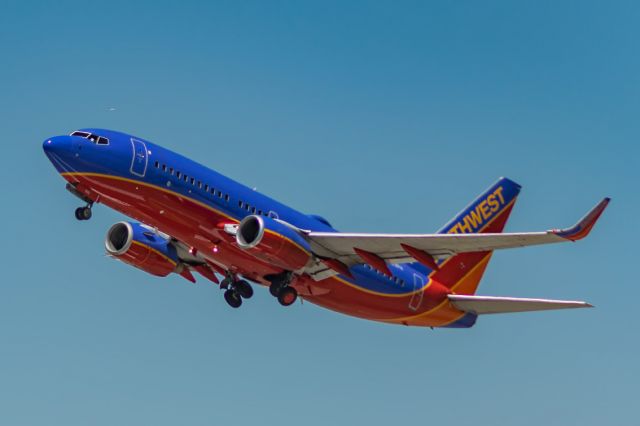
(381, 116)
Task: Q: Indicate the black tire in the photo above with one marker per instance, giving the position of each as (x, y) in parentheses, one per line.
(225, 283)
(287, 296)
(79, 213)
(275, 288)
(84, 213)
(233, 298)
(244, 289)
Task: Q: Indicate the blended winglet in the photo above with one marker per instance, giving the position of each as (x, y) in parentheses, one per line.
(584, 226)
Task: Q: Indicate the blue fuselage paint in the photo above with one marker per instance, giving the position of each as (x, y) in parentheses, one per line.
(137, 159)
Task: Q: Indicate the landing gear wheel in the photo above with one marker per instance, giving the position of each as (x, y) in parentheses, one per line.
(83, 213)
(275, 288)
(226, 283)
(244, 289)
(287, 296)
(233, 298)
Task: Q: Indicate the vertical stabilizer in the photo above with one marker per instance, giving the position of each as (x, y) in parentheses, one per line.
(488, 214)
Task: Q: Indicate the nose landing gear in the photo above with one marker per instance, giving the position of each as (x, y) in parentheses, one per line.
(82, 213)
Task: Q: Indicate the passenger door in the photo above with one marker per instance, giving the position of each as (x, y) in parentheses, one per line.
(140, 158)
(416, 298)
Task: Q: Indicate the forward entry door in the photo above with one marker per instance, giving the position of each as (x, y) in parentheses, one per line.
(140, 158)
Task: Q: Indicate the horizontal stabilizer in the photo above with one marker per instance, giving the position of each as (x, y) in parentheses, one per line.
(480, 305)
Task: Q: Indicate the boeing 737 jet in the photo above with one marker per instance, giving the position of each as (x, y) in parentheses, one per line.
(189, 219)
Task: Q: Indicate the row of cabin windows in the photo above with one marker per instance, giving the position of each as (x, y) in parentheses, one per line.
(211, 189)
(395, 279)
(253, 210)
(191, 180)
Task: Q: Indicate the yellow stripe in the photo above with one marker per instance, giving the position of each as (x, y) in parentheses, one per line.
(364, 290)
(168, 191)
(137, 182)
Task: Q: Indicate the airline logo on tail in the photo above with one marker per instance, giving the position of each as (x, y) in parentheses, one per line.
(480, 213)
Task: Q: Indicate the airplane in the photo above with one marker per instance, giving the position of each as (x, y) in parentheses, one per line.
(189, 219)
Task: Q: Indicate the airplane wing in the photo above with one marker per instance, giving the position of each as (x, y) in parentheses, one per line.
(379, 249)
(480, 305)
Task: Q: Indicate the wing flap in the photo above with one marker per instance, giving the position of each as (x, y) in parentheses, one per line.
(480, 305)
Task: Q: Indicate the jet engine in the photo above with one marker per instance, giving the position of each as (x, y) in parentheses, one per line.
(142, 247)
(273, 241)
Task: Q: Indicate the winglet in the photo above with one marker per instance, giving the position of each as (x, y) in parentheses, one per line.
(583, 227)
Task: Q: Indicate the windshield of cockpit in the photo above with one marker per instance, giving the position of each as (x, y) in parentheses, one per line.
(100, 140)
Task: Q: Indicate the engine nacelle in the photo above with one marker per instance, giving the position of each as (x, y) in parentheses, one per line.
(141, 247)
(273, 241)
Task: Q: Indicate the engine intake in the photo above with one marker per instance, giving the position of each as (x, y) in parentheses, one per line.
(250, 232)
(139, 246)
(273, 241)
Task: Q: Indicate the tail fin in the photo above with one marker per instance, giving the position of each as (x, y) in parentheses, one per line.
(488, 213)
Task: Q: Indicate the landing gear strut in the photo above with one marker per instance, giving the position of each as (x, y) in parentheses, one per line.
(83, 213)
(280, 288)
(235, 290)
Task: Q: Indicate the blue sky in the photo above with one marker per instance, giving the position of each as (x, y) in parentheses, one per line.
(381, 116)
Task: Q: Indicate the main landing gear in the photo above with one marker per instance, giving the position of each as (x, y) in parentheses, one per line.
(280, 288)
(235, 290)
(84, 213)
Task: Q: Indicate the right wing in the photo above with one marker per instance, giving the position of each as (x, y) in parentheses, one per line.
(377, 249)
(340, 250)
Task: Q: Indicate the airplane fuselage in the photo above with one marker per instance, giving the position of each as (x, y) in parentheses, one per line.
(193, 203)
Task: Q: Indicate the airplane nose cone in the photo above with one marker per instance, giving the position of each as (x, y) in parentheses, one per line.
(57, 144)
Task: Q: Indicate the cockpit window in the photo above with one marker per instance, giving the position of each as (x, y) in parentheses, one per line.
(100, 140)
